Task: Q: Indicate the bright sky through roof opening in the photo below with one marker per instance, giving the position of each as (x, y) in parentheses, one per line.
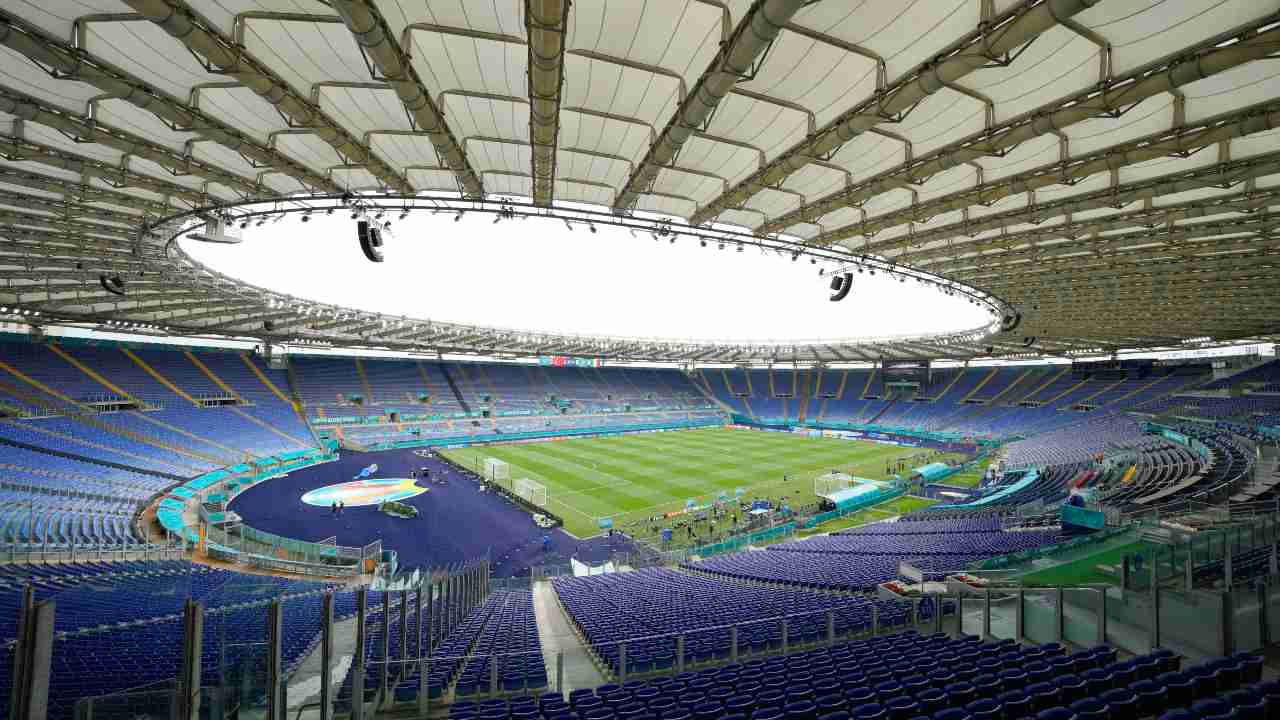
(535, 274)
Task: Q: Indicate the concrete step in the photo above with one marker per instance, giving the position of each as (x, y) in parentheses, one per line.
(557, 635)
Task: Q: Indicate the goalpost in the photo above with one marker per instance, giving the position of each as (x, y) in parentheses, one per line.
(831, 482)
(496, 471)
(530, 491)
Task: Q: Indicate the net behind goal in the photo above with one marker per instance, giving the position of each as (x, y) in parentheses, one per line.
(530, 491)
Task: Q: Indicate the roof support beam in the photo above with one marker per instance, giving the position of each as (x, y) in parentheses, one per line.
(70, 226)
(370, 30)
(991, 41)
(65, 61)
(1175, 142)
(1146, 218)
(220, 309)
(71, 190)
(734, 61)
(17, 150)
(33, 109)
(547, 25)
(254, 318)
(1223, 176)
(66, 208)
(181, 21)
(1206, 60)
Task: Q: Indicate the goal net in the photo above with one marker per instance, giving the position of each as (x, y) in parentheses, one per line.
(496, 470)
(831, 482)
(530, 491)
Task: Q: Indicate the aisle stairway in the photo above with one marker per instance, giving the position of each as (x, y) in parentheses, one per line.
(558, 635)
(453, 385)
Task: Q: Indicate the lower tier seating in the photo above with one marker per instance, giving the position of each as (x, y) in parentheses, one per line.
(907, 675)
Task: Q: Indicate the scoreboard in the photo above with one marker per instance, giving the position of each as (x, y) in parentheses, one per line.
(913, 373)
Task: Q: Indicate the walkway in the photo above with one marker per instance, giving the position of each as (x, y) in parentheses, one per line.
(304, 684)
(557, 635)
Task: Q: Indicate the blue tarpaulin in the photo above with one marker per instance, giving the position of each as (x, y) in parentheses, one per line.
(933, 472)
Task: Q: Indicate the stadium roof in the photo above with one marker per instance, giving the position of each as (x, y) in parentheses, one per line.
(1107, 167)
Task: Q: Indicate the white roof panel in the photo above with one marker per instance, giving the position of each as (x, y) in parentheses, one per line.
(1143, 31)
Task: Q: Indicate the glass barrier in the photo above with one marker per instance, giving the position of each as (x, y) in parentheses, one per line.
(1039, 616)
(1080, 608)
(406, 658)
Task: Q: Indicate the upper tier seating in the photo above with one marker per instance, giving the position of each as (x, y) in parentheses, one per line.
(1264, 377)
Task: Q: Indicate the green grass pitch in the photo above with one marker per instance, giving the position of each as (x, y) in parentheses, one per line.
(631, 477)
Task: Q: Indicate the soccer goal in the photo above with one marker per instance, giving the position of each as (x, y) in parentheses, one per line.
(497, 471)
(530, 491)
(831, 482)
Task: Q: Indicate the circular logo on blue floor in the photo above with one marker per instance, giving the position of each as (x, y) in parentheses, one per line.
(364, 492)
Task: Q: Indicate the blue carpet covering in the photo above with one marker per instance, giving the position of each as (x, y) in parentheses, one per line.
(455, 521)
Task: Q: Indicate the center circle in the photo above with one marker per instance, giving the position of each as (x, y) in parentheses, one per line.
(357, 493)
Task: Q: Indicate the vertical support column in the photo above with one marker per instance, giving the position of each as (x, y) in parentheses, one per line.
(456, 601)
(959, 632)
(493, 674)
(831, 626)
(433, 614)
(384, 651)
(560, 674)
(32, 658)
(875, 620)
(622, 662)
(986, 613)
(1264, 621)
(1227, 564)
(447, 601)
(680, 653)
(1274, 562)
(937, 613)
(404, 633)
(417, 625)
(1059, 614)
(188, 696)
(733, 643)
(1102, 615)
(1228, 624)
(782, 629)
(275, 661)
(424, 686)
(1019, 616)
(1189, 581)
(1155, 617)
(326, 657)
(357, 662)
